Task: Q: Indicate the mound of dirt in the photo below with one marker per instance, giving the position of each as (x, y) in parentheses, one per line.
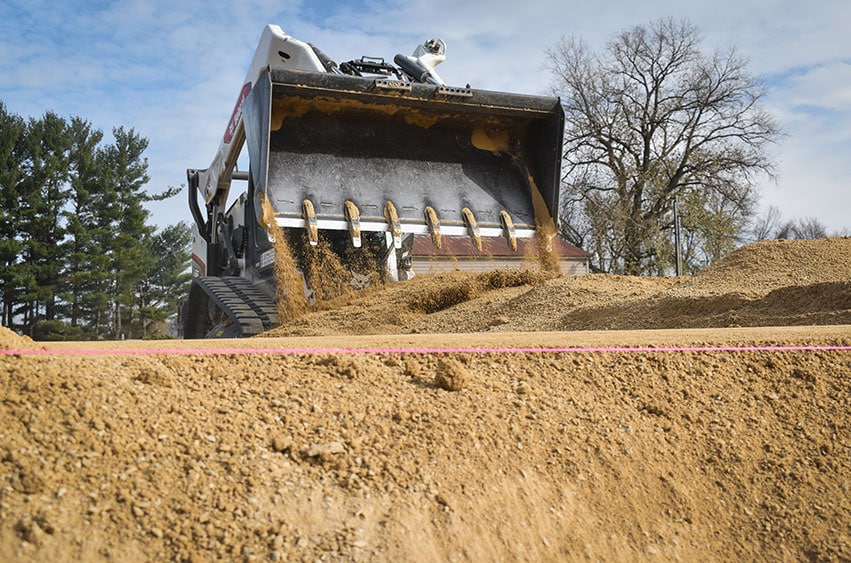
(768, 283)
(411, 457)
(188, 454)
(758, 268)
(11, 341)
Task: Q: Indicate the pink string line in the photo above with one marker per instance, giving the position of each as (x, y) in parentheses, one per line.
(497, 350)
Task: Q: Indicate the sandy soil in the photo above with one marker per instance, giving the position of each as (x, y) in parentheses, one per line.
(194, 451)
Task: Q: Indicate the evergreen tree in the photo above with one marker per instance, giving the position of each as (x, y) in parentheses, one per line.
(79, 258)
(12, 129)
(127, 173)
(81, 214)
(43, 195)
(168, 279)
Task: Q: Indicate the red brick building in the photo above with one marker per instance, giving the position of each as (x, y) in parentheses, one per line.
(458, 253)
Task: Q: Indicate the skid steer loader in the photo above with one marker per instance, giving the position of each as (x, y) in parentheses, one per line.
(364, 154)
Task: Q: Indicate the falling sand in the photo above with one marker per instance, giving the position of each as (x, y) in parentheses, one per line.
(545, 230)
(289, 289)
(305, 272)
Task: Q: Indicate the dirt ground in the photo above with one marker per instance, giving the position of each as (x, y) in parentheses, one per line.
(352, 433)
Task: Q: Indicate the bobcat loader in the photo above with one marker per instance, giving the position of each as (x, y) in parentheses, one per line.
(364, 154)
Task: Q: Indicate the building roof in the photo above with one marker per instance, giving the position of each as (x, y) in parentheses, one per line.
(460, 246)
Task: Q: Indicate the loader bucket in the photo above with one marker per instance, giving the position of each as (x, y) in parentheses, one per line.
(340, 152)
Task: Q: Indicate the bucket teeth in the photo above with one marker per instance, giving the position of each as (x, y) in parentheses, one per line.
(508, 229)
(268, 216)
(472, 227)
(433, 225)
(392, 218)
(353, 219)
(309, 213)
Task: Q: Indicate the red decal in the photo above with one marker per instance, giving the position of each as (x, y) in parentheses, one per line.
(236, 116)
(199, 265)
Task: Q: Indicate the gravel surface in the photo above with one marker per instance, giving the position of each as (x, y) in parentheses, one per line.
(141, 451)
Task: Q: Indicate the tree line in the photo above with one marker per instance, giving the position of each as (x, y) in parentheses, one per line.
(79, 258)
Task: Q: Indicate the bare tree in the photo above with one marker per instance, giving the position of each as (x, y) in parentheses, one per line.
(811, 228)
(764, 225)
(648, 119)
(801, 229)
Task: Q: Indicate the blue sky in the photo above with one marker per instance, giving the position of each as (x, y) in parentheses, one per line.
(172, 70)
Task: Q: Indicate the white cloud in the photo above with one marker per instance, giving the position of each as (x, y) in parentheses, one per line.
(825, 86)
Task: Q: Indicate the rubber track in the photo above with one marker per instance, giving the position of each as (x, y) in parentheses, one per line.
(251, 310)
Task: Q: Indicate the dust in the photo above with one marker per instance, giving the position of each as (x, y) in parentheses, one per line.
(332, 272)
(545, 230)
(325, 273)
(452, 289)
(289, 287)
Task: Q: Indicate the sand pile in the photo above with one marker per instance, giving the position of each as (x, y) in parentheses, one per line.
(761, 267)
(701, 456)
(769, 283)
(11, 341)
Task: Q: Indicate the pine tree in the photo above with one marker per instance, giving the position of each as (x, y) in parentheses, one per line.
(168, 277)
(86, 183)
(44, 193)
(79, 258)
(12, 129)
(127, 173)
